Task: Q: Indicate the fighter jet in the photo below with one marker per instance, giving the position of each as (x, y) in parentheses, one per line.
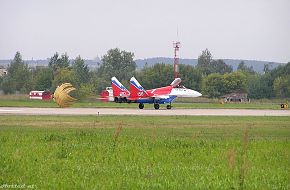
(157, 96)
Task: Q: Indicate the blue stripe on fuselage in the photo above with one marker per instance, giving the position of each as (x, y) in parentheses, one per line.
(121, 87)
(159, 101)
(139, 87)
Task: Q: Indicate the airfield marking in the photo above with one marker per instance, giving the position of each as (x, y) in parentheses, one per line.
(132, 111)
(8, 110)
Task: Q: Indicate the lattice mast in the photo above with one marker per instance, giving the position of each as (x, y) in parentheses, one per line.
(176, 46)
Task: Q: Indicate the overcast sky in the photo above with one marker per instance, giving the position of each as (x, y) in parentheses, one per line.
(240, 29)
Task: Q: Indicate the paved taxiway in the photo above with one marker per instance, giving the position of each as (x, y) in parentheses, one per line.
(121, 111)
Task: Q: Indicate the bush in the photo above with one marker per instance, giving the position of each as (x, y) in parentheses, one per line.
(84, 91)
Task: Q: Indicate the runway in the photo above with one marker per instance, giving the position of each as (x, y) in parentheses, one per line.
(132, 111)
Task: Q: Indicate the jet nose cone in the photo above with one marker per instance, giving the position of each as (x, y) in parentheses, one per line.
(198, 94)
(195, 94)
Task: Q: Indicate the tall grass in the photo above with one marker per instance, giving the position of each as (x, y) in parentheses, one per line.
(117, 134)
(145, 152)
(243, 167)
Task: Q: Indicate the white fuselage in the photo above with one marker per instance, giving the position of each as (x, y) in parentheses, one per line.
(184, 92)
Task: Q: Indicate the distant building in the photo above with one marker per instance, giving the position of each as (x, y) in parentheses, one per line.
(236, 97)
(3, 72)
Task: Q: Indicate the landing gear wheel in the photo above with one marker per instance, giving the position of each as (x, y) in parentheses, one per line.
(168, 107)
(156, 106)
(141, 106)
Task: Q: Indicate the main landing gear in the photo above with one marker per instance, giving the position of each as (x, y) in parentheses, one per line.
(156, 106)
(169, 106)
(141, 106)
(121, 100)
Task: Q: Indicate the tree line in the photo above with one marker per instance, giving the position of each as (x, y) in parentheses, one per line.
(213, 78)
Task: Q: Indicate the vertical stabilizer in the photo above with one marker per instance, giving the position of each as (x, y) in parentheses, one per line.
(136, 90)
(118, 89)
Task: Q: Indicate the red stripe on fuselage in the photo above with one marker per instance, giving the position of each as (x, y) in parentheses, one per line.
(160, 91)
(135, 93)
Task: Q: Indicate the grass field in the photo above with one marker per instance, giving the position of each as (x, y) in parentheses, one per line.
(94, 103)
(145, 152)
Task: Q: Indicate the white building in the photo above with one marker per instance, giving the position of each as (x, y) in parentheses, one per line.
(3, 72)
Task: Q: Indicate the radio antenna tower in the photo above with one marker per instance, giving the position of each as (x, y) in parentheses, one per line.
(176, 46)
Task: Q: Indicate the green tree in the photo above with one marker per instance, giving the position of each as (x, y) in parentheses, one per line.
(100, 83)
(81, 71)
(215, 85)
(56, 62)
(235, 81)
(282, 86)
(84, 91)
(63, 75)
(267, 67)
(1, 80)
(18, 77)
(244, 68)
(212, 85)
(206, 65)
(219, 66)
(282, 70)
(158, 75)
(204, 61)
(260, 87)
(117, 63)
(43, 78)
(7, 85)
(191, 77)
